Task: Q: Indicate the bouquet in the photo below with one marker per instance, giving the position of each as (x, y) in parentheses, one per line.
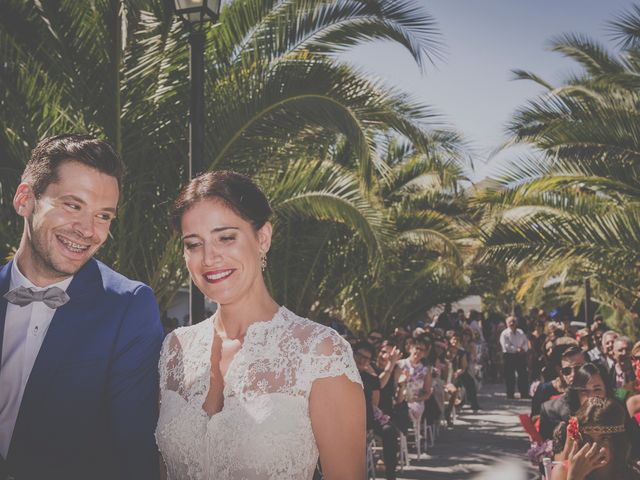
(538, 451)
(380, 417)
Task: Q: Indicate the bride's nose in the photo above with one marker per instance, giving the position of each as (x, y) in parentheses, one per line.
(211, 255)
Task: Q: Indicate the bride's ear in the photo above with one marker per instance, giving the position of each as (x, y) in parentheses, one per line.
(264, 237)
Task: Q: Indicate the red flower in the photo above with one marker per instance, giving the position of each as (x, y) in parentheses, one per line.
(573, 429)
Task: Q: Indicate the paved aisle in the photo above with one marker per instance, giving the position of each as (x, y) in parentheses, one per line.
(488, 446)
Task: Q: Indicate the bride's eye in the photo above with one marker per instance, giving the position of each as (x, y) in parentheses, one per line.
(191, 246)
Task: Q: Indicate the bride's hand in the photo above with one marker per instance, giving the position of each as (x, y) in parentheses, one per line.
(215, 399)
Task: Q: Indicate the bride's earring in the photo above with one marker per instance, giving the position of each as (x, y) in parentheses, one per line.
(263, 261)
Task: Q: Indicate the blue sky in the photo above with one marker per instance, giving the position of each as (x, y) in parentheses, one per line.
(484, 40)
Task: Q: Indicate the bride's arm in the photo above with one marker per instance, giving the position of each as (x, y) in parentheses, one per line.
(338, 420)
(163, 469)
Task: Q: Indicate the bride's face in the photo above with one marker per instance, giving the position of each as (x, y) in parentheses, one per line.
(223, 251)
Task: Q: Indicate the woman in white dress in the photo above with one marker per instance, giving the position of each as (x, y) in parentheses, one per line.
(255, 392)
(416, 378)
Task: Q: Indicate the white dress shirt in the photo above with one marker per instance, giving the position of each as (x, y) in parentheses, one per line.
(511, 341)
(596, 355)
(24, 331)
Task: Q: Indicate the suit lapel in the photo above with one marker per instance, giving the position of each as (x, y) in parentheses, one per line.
(5, 280)
(83, 291)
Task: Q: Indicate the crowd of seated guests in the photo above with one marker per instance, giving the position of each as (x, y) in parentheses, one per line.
(420, 374)
(585, 385)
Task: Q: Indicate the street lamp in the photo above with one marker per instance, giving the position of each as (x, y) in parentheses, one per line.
(587, 303)
(195, 14)
(198, 11)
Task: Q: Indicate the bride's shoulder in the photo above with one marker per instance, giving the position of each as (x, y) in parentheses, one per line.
(184, 337)
(321, 339)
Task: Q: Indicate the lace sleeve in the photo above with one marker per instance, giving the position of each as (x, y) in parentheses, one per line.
(171, 366)
(331, 356)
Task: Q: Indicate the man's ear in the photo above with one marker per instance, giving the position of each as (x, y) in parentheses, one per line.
(24, 200)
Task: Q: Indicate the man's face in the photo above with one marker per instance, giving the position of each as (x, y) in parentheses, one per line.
(375, 338)
(607, 343)
(362, 358)
(569, 366)
(67, 224)
(511, 323)
(621, 351)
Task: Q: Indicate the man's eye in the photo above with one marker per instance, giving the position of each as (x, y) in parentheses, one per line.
(105, 217)
(228, 238)
(72, 206)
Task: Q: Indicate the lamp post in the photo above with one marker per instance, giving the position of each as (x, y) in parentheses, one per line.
(587, 303)
(195, 15)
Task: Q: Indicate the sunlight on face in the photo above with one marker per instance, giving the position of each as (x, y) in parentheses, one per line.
(68, 223)
(223, 251)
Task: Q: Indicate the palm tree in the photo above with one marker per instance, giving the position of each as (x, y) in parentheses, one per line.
(424, 262)
(570, 209)
(274, 93)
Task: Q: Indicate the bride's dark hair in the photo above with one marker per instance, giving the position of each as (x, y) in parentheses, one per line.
(238, 192)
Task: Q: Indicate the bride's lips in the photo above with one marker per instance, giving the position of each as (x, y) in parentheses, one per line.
(217, 276)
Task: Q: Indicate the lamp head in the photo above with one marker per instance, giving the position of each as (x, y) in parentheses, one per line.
(198, 11)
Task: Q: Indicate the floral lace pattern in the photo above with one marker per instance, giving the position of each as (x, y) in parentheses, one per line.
(264, 429)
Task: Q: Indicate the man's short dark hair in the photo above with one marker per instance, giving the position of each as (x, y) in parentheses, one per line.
(570, 351)
(50, 153)
(365, 346)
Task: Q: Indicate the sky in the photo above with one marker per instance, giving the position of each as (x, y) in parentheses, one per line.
(484, 40)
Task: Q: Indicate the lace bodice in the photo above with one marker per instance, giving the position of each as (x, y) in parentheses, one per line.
(263, 432)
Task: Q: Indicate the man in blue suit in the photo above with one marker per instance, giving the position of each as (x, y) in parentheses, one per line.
(79, 343)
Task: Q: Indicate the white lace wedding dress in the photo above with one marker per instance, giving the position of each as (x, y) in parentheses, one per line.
(263, 431)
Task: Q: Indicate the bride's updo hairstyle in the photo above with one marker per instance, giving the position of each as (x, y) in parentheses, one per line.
(236, 191)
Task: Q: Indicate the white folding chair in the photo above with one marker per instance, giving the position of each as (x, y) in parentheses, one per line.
(404, 451)
(371, 463)
(417, 438)
(428, 435)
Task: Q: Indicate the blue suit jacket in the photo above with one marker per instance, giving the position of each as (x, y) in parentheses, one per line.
(89, 408)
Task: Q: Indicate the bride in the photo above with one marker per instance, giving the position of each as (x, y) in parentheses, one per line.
(255, 392)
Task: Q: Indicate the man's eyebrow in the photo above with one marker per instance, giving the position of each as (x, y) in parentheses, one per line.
(215, 230)
(81, 201)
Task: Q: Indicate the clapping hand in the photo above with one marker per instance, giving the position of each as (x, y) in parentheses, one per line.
(394, 356)
(583, 461)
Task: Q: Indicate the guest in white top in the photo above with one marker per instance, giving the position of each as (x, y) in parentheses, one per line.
(603, 353)
(514, 345)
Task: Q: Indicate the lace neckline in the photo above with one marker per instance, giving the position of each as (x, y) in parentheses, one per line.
(255, 325)
(259, 325)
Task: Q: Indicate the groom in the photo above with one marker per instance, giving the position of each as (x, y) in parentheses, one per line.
(79, 343)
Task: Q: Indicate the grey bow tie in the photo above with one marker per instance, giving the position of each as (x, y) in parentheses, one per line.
(53, 297)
